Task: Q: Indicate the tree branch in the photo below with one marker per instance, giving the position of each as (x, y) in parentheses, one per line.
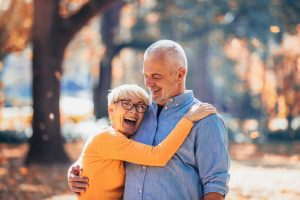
(135, 44)
(70, 26)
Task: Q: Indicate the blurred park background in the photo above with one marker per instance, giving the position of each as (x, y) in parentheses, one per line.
(59, 58)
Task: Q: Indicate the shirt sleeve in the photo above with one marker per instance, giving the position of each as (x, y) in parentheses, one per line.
(212, 154)
(117, 146)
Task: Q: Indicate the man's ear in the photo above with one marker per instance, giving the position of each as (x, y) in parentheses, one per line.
(181, 73)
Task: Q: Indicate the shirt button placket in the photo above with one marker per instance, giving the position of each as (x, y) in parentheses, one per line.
(143, 171)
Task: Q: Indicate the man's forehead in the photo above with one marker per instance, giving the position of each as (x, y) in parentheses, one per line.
(154, 70)
(155, 66)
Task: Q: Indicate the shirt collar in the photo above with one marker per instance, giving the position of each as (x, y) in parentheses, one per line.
(178, 100)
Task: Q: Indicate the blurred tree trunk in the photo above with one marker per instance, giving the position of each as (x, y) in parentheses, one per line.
(201, 84)
(51, 35)
(109, 26)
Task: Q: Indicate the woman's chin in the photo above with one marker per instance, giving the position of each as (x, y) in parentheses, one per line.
(128, 132)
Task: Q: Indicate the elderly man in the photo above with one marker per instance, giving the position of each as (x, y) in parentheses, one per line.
(199, 169)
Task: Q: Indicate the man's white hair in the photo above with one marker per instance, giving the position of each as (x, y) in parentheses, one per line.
(126, 91)
(170, 50)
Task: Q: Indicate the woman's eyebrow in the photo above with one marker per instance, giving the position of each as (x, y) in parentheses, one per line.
(127, 99)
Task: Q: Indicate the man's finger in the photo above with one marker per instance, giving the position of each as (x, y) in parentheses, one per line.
(76, 167)
(78, 179)
(80, 185)
(75, 170)
(77, 190)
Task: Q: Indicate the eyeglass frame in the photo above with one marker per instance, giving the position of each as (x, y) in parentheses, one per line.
(132, 105)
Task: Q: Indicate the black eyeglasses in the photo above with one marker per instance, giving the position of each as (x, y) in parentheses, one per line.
(128, 105)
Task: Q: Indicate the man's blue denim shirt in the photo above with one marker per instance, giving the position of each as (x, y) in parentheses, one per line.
(199, 166)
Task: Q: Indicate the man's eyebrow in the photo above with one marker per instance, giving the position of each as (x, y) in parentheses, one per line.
(156, 74)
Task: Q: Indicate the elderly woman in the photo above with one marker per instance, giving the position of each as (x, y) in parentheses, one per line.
(104, 154)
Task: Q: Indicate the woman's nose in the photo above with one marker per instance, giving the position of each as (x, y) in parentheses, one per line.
(133, 109)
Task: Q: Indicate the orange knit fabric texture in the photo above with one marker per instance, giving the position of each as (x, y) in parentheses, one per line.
(103, 156)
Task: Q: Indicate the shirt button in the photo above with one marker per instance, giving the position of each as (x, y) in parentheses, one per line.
(171, 100)
(166, 108)
(140, 191)
(176, 104)
(144, 167)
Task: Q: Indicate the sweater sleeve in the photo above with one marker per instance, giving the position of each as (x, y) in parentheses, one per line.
(118, 147)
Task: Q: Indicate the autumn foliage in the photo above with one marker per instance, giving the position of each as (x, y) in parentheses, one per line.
(15, 25)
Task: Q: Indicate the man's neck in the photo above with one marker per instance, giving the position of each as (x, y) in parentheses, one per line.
(179, 93)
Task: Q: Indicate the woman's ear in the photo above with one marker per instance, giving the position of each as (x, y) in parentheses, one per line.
(110, 110)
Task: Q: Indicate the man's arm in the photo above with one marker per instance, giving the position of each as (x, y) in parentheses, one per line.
(212, 156)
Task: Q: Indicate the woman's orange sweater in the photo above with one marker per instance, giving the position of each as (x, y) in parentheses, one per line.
(103, 157)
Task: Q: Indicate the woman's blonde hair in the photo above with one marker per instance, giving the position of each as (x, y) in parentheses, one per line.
(128, 90)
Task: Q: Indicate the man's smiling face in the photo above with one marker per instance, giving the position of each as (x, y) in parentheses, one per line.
(160, 78)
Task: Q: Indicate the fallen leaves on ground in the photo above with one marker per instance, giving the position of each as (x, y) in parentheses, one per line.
(268, 172)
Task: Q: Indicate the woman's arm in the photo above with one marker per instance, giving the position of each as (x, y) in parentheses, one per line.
(117, 146)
